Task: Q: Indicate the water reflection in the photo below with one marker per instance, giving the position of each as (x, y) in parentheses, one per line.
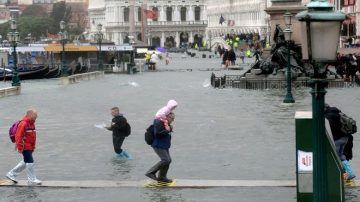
(25, 194)
(163, 195)
(351, 194)
(121, 167)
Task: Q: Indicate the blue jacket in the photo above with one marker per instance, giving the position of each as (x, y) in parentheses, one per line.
(162, 138)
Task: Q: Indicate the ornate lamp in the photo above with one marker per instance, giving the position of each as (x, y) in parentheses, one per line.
(14, 38)
(320, 43)
(287, 34)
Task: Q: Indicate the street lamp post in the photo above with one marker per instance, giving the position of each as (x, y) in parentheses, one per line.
(13, 37)
(321, 43)
(99, 37)
(63, 37)
(287, 33)
(210, 38)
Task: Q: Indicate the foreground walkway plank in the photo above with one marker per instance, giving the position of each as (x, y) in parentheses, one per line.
(181, 183)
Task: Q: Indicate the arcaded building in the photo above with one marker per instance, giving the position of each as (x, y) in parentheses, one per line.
(176, 23)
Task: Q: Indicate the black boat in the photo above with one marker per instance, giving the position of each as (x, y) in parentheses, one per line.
(34, 72)
(37, 72)
(7, 73)
(54, 72)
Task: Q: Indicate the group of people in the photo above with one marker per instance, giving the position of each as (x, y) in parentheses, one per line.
(25, 141)
(229, 56)
(343, 142)
(348, 67)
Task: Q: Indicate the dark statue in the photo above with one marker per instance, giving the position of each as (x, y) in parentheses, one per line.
(277, 61)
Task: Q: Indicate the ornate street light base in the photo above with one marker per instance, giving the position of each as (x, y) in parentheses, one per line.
(15, 80)
(289, 98)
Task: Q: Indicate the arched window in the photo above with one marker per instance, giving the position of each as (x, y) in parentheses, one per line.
(139, 14)
(183, 14)
(169, 11)
(197, 13)
(126, 14)
(156, 10)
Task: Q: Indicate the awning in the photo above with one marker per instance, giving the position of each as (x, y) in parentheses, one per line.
(116, 48)
(30, 49)
(69, 48)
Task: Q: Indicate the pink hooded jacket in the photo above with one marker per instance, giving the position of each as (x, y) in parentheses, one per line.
(163, 112)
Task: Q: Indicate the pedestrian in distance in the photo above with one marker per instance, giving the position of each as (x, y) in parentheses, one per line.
(242, 55)
(120, 130)
(153, 60)
(25, 140)
(167, 59)
(162, 142)
(257, 54)
(332, 114)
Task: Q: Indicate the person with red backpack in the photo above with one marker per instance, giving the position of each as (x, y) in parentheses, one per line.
(25, 140)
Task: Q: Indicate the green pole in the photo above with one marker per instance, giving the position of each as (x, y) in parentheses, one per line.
(15, 76)
(100, 55)
(320, 174)
(289, 97)
(63, 65)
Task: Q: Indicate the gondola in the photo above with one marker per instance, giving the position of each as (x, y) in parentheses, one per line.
(54, 72)
(37, 72)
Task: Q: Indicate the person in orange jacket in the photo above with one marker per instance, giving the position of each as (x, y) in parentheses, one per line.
(25, 140)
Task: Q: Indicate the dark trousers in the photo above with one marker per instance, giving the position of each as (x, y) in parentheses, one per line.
(163, 164)
(117, 142)
(28, 158)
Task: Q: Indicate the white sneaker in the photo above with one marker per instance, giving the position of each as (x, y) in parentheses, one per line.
(11, 177)
(34, 182)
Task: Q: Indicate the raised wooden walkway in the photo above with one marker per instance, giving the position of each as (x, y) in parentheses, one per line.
(179, 183)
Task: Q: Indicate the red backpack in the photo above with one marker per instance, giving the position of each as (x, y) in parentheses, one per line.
(12, 131)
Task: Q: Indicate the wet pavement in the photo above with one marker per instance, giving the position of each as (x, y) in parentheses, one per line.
(220, 134)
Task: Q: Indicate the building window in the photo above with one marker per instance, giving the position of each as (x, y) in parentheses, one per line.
(155, 10)
(197, 13)
(169, 11)
(183, 14)
(139, 14)
(126, 14)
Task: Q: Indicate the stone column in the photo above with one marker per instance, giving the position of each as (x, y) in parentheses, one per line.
(131, 19)
(190, 14)
(176, 14)
(203, 13)
(177, 39)
(136, 14)
(116, 14)
(121, 16)
(162, 40)
(121, 40)
(191, 37)
(162, 14)
(276, 12)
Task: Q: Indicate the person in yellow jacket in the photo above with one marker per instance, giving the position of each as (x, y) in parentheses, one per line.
(248, 53)
(147, 57)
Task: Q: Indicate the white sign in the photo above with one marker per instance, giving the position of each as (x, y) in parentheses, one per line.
(305, 161)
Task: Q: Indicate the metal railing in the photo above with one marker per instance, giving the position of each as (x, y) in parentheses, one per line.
(238, 81)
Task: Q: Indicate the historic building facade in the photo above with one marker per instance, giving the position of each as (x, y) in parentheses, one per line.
(177, 22)
(237, 17)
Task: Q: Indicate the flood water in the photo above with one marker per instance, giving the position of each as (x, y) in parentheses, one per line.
(220, 134)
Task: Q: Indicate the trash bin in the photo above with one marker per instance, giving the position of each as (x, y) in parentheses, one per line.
(204, 56)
